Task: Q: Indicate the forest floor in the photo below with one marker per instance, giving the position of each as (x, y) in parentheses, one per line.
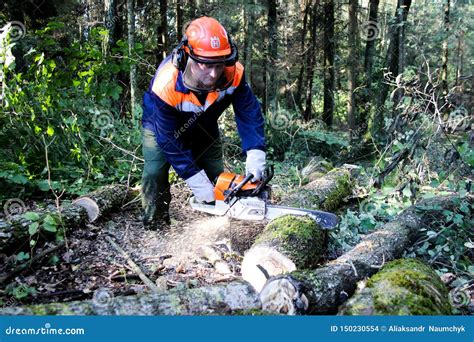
(196, 249)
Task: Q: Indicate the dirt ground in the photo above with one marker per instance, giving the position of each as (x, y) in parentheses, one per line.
(197, 249)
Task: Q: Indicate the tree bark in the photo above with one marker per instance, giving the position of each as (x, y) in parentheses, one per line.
(352, 66)
(232, 298)
(14, 231)
(311, 63)
(445, 54)
(392, 59)
(179, 19)
(272, 59)
(303, 56)
(373, 31)
(328, 287)
(325, 193)
(131, 46)
(287, 243)
(162, 33)
(328, 67)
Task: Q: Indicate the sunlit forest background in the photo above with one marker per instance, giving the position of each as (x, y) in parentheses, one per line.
(386, 85)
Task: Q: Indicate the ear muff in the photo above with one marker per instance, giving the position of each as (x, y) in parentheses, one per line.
(234, 57)
(178, 56)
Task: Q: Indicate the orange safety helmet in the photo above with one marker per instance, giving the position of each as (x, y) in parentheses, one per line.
(207, 44)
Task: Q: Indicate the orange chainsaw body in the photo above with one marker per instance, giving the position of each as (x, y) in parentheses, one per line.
(227, 181)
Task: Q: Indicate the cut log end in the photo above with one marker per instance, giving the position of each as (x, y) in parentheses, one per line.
(282, 295)
(272, 261)
(90, 206)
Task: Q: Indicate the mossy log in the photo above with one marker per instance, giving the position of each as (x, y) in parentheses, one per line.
(328, 287)
(233, 298)
(287, 243)
(402, 287)
(14, 230)
(325, 193)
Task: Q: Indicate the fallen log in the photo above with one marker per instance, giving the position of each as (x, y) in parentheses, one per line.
(325, 193)
(328, 287)
(286, 244)
(292, 242)
(233, 298)
(14, 230)
(402, 287)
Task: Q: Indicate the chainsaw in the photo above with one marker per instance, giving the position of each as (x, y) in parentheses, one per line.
(237, 197)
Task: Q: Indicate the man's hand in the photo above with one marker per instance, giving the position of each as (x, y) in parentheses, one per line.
(255, 164)
(202, 187)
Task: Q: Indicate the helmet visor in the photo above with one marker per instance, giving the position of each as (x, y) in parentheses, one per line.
(204, 75)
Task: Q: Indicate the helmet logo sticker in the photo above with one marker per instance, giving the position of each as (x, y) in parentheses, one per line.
(215, 42)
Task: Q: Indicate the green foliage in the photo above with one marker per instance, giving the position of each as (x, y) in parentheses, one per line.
(64, 102)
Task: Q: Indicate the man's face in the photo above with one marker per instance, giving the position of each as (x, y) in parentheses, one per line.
(207, 74)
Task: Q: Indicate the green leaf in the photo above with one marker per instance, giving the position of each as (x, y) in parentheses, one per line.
(22, 256)
(50, 131)
(32, 216)
(33, 228)
(50, 220)
(50, 228)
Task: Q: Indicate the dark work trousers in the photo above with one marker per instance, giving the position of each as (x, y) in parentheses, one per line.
(156, 195)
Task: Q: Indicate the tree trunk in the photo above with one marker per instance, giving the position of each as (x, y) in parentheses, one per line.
(328, 287)
(162, 33)
(325, 193)
(232, 298)
(352, 62)
(133, 65)
(179, 19)
(328, 67)
(272, 60)
(14, 231)
(311, 64)
(392, 63)
(111, 18)
(287, 243)
(445, 54)
(249, 17)
(303, 57)
(373, 31)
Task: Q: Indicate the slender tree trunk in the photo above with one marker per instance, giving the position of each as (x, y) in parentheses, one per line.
(373, 31)
(179, 19)
(392, 59)
(311, 64)
(352, 65)
(329, 56)
(162, 33)
(249, 17)
(110, 20)
(131, 45)
(303, 56)
(459, 64)
(273, 56)
(444, 67)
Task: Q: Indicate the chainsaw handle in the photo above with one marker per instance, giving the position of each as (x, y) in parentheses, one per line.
(238, 187)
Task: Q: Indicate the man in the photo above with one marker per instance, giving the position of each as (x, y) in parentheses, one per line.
(188, 93)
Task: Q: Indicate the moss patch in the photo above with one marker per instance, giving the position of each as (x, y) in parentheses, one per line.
(298, 237)
(402, 287)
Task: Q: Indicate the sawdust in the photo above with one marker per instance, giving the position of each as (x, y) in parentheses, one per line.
(170, 257)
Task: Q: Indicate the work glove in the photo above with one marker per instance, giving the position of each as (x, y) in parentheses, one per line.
(255, 164)
(201, 186)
